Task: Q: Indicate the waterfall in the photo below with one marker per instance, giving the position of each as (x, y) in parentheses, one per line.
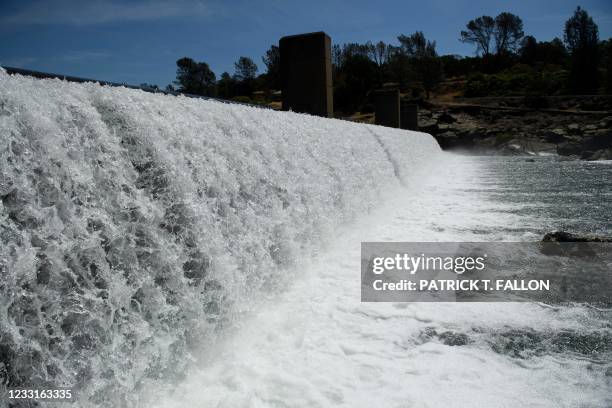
(133, 225)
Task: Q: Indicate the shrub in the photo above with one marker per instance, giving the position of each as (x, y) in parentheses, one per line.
(242, 99)
(521, 79)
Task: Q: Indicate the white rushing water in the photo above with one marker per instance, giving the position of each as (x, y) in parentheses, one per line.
(134, 226)
(317, 345)
(173, 252)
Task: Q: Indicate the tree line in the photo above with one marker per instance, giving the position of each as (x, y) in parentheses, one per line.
(506, 62)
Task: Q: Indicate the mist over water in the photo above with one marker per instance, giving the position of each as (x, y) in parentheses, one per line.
(134, 227)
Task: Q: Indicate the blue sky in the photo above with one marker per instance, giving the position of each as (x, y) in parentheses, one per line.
(139, 41)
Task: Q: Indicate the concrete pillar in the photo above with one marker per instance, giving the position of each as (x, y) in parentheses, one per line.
(387, 107)
(409, 116)
(306, 74)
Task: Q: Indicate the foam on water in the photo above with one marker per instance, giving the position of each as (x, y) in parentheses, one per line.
(317, 345)
(134, 225)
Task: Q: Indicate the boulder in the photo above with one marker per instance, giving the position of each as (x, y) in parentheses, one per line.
(431, 128)
(574, 129)
(447, 139)
(563, 236)
(512, 149)
(445, 117)
(570, 149)
(602, 154)
(606, 123)
(557, 135)
(601, 139)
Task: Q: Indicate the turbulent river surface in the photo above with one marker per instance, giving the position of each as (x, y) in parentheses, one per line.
(316, 345)
(162, 251)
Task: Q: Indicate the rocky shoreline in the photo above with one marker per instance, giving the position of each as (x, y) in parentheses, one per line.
(514, 126)
(564, 236)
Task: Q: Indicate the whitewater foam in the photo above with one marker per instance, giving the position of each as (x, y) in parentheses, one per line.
(318, 345)
(134, 225)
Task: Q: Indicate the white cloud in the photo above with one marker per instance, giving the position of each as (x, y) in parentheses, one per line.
(89, 12)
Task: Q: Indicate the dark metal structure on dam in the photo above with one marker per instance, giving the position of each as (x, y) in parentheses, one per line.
(409, 116)
(306, 74)
(387, 107)
(392, 111)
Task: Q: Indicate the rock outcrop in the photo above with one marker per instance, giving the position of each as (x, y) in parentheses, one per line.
(521, 130)
(563, 236)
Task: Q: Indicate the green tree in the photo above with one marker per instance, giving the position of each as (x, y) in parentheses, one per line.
(508, 33)
(379, 52)
(355, 75)
(581, 36)
(552, 52)
(416, 45)
(399, 67)
(607, 53)
(245, 69)
(148, 86)
(479, 32)
(424, 58)
(272, 62)
(226, 86)
(529, 50)
(194, 77)
(430, 71)
(244, 76)
(506, 29)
